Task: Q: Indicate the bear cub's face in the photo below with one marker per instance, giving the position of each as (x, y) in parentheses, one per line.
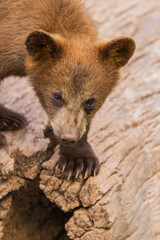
(73, 77)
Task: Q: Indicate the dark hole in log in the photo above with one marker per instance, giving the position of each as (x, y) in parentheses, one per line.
(33, 217)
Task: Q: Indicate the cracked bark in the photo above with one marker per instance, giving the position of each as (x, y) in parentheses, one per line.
(123, 201)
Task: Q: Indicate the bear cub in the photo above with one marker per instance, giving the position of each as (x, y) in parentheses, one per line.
(56, 44)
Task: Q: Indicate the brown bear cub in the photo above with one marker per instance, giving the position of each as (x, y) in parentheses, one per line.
(55, 43)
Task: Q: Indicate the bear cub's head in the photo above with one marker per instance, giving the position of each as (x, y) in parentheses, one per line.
(73, 77)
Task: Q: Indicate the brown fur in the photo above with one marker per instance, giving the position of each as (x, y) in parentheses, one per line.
(21, 17)
(63, 54)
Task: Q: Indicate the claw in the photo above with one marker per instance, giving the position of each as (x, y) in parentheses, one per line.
(77, 174)
(94, 174)
(63, 168)
(5, 124)
(16, 125)
(86, 175)
(69, 176)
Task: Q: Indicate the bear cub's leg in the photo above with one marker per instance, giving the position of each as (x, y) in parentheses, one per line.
(10, 120)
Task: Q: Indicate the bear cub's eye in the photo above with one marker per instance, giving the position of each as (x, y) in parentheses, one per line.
(90, 103)
(57, 99)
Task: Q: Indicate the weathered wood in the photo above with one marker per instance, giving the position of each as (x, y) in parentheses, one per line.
(123, 201)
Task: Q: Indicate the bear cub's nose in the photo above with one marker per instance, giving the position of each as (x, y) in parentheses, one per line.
(68, 138)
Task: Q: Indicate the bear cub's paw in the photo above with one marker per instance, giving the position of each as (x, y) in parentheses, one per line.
(78, 161)
(10, 120)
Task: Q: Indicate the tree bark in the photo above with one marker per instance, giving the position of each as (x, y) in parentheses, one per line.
(123, 201)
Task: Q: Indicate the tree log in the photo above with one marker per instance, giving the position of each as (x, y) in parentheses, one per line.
(123, 201)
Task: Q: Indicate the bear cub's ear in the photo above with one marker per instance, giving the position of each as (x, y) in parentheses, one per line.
(40, 44)
(117, 51)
